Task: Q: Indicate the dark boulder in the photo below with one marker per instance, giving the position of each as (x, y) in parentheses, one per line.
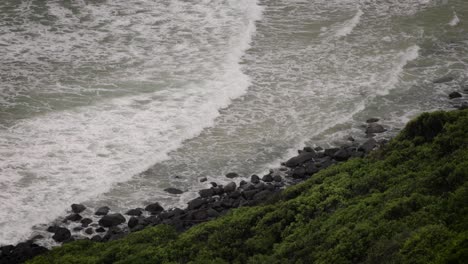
(203, 179)
(135, 212)
(111, 220)
(267, 178)
(300, 159)
(311, 168)
(96, 238)
(173, 191)
(89, 231)
(372, 120)
(331, 152)
(61, 234)
(154, 208)
(368, 146)
(374, 128)
(102, 210)
(454, 95)
(277, 178)
(242, 183)
(85, 222)
(262, 196)
(254, 179)
(78, 208)
(232, 175)
(308, 149)
(299, 173)
(77, 229)
(132, 222)
(206, 193)
(73, 217)
(248, 195)
(20, 253)
(342, 155)
(196, 203)
(100, 230)
(230, 187)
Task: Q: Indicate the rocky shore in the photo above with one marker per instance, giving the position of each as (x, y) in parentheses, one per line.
(211, 202)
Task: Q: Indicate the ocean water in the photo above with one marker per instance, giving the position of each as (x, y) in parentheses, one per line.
(109, 102)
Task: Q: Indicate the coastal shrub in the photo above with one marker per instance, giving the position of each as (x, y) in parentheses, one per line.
(405, 203)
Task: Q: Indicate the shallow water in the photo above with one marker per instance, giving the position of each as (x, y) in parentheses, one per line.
(110, 102)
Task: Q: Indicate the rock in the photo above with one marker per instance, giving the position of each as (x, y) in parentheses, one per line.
(135, 212)
(444, 79)
(213, 184)
(308, 149)
(249, 194)
(235, 194)
(267, 178)
(204, 179)
(374, 128)
(102, 210)
(96, 238)
(242, 183)
(132, 222)
(212, 213)
(100, 230)
(254, 179)
(318, 148)
(196, 203)
(232, 175)
(368, 146)
(52, 229)
(173, 191)
(262, 196)
(454, 95)
(300, 159)
(77, 229)
(20, 253)
(230, 187)
(200, 215)
(154, 208)
(78, 208)
(218, 190)
(277, 178)
(85, 222)
(61, 234)
(111, 220)
(260, 186)
(372, 120)
(311, 168)
(350, 138)
(73, 217)
(206, 193)
(89, 231)
(342, 155)
(299, 173)
(331, 151)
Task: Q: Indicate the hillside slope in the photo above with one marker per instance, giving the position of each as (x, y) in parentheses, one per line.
(406, 203)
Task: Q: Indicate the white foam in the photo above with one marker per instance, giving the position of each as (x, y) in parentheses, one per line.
(455, 20)
(53, 160)
(349, 25)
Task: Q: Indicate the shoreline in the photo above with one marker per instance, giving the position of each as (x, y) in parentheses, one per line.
(208, 205)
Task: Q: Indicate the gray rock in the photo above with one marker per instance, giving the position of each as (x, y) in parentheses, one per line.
(61, 234)
(331, 151)
(111, 220)
(299, 173)
(374, 128)
(277, 178)
(368, 146)
(196, 203)
(204, 179)
(73, 217)
(89, 231)
(206, 193)
(454, 95)
(372, 120)
(267, 178)
(154, 208)
(230, 187)
(173, 190)
(102, 210)
(135, 212)
(300, 159)
(78, 208)
(342, 155)
(132, 222)
(85, 222)
(232, 175)
(254, 179)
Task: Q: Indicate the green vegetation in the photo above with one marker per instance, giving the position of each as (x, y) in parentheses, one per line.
(406, 203)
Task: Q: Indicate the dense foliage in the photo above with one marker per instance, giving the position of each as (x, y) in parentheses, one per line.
(406, 203)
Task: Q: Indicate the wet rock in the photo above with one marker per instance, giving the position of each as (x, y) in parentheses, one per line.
(96, 238)
(173, 191)
(262, 196)
(213, 184)
(203, 179)
(52, 229)
(85, 222)
(249, 194)
(260, 186)
(342, 155)
(372, 120)
(132, 222)
(78, 208)
(308, 149)
(318, 148)
(235, 194)
(89, 231)
(242, 183)
(374, 128)
(20, 253)
(299, 173)
(102, 210)
(111, 220)
(230, 187)
(454, 95)
(232, 175)
(368, 146)
(135, 212)
(254, 179)
(350, 138)
(212, 213)
(154, 208)
(206, 193)
(77, 229)
(200, 215)
(196, 203)
(444, 79)
(100, 230)
(61, 234)
(331, 151)
(267, 178)
(73, 218)
(277, 178)
(300, 159)
(311, 168)
(218, 190)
